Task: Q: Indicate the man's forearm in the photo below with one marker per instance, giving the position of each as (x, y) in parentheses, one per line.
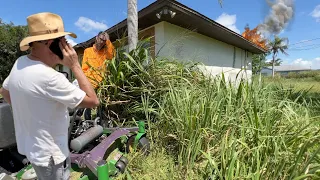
(83, 81)
(6, 95)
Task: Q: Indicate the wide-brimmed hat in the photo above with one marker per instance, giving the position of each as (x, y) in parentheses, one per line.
(44, 26)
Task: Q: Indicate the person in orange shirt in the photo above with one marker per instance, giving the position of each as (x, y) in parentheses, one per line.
(94, 63)
(95, 58)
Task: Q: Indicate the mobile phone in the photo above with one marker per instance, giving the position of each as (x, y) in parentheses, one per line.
(54, 47)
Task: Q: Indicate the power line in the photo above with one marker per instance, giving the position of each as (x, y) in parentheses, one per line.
(303, 46)
(303, 41)
(304, 49)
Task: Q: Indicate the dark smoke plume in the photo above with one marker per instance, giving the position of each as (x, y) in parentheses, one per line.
(281, 12)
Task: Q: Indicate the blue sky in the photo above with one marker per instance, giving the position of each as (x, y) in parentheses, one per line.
(86, 18)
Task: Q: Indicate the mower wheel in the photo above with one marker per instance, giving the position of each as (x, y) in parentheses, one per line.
(121, 166)
(124, 160)
(143, 145)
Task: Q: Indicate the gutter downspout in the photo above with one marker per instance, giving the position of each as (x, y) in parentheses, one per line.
(234, 57)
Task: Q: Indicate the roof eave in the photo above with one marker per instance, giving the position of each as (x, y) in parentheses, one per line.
(174, 4)
(217, 24)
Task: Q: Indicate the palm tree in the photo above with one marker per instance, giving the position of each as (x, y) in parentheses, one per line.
(276, 46)
(132, 23)
(278, 62)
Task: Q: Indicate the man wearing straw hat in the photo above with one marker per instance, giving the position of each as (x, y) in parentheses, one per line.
(40, 96)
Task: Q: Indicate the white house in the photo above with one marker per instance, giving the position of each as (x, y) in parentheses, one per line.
(182, 33)
(284, 69)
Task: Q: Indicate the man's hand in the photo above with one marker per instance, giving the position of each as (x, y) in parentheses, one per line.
(104, 36)
(107, 36)
(70, 57)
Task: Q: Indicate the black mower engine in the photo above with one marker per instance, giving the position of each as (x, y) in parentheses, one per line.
(81, 132)
(79, 126)
(10, 160)
(7, 133)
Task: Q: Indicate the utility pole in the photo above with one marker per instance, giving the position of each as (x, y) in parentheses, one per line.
(132, 24)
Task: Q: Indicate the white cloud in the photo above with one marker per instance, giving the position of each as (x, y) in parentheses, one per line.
(88, 25)
(316, 13)
(228, 21)
(313, 63)
(302, 62)
(71, 41)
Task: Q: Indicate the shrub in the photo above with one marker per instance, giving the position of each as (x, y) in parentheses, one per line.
(10, 37)
(303, 74)
(317, 77)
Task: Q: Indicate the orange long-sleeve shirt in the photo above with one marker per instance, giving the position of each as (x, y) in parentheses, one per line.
(95, 71)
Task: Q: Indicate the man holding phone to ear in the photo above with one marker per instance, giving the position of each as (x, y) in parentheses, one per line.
(39, 96)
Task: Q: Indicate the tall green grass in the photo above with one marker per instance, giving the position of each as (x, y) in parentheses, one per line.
(300, 89)
(252, 131)
(203, 128)
(133, 75)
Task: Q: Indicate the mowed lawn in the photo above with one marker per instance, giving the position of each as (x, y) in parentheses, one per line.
(309, 84)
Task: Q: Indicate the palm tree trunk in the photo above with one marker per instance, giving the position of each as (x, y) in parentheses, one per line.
(273, 61)
(132, 24)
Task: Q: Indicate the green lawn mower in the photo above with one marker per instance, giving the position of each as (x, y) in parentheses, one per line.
(97, 152)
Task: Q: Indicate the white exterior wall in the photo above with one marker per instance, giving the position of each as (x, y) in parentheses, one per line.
(178, 43)
(65, 69)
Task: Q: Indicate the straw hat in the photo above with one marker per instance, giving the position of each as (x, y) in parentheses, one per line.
(44, 26)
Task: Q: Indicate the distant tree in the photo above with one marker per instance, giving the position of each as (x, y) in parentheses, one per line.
(277, 62)
(258, 62)
(275, 46)
(10, 37)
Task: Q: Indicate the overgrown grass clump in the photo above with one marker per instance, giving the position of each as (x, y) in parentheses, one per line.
(252, 131)
(203, 128)
(135, 77)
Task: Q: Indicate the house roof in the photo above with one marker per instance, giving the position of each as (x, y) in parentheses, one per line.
(186, 18)
(289, 68)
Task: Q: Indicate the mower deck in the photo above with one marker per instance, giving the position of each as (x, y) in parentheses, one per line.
(106, 159)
